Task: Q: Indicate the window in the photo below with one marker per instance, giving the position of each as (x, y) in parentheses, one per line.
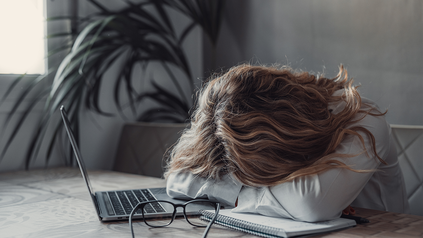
(22, 41)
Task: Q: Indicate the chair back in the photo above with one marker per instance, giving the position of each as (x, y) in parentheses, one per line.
(409, 144)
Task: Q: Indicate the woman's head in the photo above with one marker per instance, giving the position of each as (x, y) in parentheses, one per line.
(265, 125)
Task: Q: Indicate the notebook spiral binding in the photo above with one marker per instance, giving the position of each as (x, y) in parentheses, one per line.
(244, 226)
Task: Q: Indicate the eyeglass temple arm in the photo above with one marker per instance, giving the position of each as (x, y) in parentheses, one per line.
(212, 221)
(138, 206)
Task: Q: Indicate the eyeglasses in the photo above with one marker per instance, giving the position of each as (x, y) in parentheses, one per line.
(191, 211)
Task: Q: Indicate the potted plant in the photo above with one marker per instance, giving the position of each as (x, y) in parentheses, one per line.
(134, 36)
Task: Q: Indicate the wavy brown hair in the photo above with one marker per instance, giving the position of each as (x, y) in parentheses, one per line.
(269, 125)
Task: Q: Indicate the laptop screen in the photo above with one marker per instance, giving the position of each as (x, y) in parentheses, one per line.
(76, 151)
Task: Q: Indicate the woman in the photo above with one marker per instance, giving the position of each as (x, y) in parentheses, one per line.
(287, 144)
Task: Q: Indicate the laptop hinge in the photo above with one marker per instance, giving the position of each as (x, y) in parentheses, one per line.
(97, 207)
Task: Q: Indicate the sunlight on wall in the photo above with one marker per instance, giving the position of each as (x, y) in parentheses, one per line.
(22, 41)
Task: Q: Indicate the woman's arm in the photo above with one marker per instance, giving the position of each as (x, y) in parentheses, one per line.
(188, 186)
(322, 196)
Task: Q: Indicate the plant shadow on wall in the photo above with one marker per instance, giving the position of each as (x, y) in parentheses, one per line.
(130, 38)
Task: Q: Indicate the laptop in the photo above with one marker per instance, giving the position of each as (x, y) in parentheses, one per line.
(117, 205)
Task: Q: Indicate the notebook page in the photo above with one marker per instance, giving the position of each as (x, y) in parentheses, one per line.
(288, 226)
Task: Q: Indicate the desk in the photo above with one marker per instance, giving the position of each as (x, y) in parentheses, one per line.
(55, 203)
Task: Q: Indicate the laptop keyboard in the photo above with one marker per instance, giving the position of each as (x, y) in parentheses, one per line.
(124, 201)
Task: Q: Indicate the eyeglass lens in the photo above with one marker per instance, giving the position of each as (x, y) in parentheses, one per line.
(193, 215)
(157, 208)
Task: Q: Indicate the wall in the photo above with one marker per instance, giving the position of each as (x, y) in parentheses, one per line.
(14, 158)
(380, 42)
(99, 134)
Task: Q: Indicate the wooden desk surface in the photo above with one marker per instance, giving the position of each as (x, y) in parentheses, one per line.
(56, 203)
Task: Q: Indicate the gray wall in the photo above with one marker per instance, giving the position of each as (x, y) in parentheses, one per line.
(379, 41)
(99, 134)
(14, 158)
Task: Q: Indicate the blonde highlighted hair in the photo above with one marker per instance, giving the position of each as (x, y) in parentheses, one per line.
(268, 125)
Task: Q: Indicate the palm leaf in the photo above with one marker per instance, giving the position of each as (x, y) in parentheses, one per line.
(18, 125)
(29, 86)
(11, 87)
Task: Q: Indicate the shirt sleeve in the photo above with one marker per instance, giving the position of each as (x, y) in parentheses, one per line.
(185, 185)
(385, 190)
(323, 196)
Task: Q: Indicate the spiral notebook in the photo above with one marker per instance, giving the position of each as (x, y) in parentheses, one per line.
(274, 227)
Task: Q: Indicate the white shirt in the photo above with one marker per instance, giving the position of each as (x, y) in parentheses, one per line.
(315, 197)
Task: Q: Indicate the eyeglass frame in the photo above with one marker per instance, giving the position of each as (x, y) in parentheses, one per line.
(141, 206)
